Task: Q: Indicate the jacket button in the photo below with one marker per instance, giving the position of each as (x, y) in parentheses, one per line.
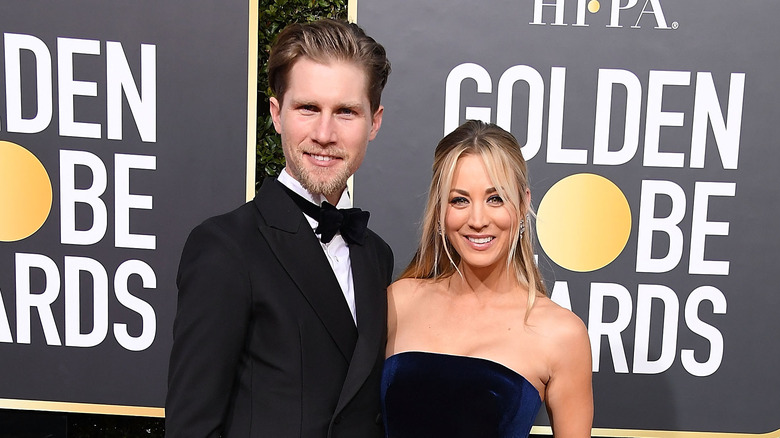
(378, 419)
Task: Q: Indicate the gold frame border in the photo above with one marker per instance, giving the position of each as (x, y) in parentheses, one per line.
(641, 433)
(352, 18)
(251, 110)
(352, 11)
(81, 408)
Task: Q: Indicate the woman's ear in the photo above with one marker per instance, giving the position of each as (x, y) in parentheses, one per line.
(527, 200)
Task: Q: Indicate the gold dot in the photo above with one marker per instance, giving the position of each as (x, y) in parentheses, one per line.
(594, 6)
(583, 222)
(25, 193)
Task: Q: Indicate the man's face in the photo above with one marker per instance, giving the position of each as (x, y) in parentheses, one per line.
(325, 122)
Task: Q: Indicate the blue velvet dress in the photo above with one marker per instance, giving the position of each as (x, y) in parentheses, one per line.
(432, 395)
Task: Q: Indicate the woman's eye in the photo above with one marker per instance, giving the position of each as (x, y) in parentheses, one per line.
(458, 200)
(495, 199)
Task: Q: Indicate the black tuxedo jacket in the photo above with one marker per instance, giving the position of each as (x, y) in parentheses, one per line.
(264, 343)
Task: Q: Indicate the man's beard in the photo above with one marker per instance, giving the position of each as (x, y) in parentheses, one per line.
(331, 186)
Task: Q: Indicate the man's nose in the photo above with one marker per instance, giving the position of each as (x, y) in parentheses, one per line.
(324, 131)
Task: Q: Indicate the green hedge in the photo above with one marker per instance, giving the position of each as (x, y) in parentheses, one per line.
(273, 16)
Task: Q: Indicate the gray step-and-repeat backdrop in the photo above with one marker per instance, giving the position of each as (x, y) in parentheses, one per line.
(122, 126)
(651, 132)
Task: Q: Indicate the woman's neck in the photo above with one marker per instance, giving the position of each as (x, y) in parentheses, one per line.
(480, 281)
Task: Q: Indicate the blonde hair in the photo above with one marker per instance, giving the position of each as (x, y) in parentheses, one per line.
(435, 257)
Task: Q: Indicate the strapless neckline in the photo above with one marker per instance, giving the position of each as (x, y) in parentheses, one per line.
(488, 362)
(432, 395)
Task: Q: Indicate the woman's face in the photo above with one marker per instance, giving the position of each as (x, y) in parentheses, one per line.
(478, 222)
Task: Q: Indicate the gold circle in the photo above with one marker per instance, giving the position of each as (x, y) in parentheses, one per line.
(583, 222)
(594, 6)
(25, 193)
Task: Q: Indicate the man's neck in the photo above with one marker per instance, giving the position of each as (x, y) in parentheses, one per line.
(340, 200)
(334, 199)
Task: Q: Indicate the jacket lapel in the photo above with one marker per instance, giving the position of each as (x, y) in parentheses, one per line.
(371, 307)
(300, 253)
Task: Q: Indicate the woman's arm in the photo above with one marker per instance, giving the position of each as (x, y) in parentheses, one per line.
(569, 392)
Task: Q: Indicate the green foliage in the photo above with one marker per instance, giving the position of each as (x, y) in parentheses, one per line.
(273, 16)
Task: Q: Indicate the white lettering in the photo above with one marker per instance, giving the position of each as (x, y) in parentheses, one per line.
(560, 294)
(120, 79)
(648, 224)
(708, 332)
(559, 8)
(125, 201)
(5, 327)
(607, 79)
(68, 87)
(70, 196)
(74, 266)
(658, 13)
(26, 299)
(614, 15)
(706, 112)
(14, 44)
(701, 228)
(555, 151)
(597, 327)
(123, 295)
(642, 362)
(706, 108)
(656, 118)
(452, 94)
(535, 105)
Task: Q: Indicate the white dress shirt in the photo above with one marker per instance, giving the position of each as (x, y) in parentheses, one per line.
(337, 250)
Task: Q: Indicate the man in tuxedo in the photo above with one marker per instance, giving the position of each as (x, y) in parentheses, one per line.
(281, 319)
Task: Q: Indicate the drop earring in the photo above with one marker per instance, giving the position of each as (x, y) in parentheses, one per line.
(522, 228)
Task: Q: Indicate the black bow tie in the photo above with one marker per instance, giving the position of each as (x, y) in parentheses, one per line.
(351, 222)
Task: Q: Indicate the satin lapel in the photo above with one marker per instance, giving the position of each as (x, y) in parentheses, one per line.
(298, 251)
(371, 306)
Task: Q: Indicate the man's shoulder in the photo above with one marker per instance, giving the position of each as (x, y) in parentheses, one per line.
(267, 209)
(233, 229)
(378, 241)
(246, 214)
(234, 220)
(371, 234)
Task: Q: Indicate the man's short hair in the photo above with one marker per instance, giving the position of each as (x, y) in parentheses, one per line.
(324, 41)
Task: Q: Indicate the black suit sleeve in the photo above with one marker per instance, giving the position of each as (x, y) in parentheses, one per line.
(390, 263)
(386, 260)
(212, 317)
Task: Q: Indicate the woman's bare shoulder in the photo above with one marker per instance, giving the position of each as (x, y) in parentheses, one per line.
(405, 284)
(559, 322)
(408, 287)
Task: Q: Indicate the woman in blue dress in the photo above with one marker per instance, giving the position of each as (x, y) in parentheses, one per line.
(475, 346)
